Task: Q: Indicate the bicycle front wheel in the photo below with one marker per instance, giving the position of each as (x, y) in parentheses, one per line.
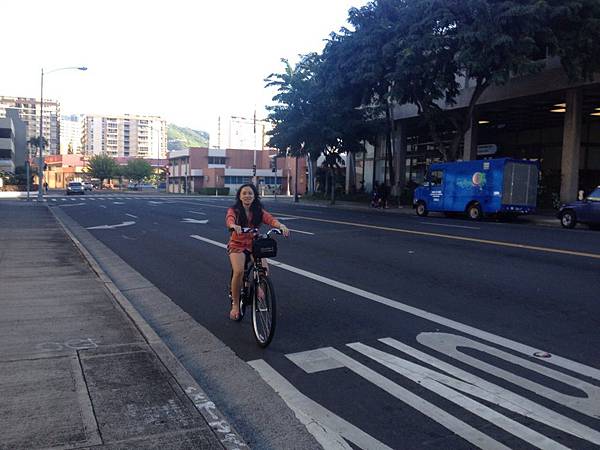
(263, 311)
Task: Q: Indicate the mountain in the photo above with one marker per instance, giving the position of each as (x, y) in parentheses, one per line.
(179, 138)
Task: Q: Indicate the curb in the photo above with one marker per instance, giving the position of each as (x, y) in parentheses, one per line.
(223, 430)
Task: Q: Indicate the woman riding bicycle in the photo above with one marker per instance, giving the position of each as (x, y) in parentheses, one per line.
(247, 212)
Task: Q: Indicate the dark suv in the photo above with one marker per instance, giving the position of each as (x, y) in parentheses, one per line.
(585, 211)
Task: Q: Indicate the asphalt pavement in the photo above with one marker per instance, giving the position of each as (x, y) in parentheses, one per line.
(353, 282)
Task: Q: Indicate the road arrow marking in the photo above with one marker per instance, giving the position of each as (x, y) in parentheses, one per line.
(188, 220)
(110, 227)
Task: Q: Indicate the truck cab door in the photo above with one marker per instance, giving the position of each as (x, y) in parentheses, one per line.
(435, 202)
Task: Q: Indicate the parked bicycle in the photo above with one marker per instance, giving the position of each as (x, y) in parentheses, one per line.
(257, 290)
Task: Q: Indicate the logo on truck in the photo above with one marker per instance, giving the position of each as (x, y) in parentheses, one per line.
(478, 179)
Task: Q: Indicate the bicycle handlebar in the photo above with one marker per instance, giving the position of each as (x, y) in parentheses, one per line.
(255, 231)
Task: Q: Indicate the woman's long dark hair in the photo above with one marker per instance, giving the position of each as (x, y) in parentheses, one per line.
(256, 208)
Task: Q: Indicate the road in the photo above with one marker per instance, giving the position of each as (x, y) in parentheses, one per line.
(393, 331)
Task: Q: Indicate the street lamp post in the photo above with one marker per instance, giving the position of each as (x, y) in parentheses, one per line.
(41, 140)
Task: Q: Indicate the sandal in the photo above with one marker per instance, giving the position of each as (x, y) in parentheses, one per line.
(232, 314)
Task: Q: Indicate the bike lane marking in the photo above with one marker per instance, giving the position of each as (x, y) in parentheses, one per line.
(328, 429)
(455, 325)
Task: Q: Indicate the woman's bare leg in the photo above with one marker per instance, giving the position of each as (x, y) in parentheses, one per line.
(237, 265)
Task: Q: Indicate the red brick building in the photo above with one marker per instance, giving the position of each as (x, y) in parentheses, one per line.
(197, 168)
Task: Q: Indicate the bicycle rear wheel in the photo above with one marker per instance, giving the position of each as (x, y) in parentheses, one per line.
(263, 310)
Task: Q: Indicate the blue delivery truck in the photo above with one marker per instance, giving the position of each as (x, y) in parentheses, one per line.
(492, 186)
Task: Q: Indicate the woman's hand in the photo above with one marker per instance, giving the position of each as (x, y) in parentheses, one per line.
(237, 229)
(284, 230)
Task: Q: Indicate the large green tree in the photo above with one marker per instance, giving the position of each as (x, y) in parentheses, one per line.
(137, 170)
(102, 167)
(312, 118)
(418, 51)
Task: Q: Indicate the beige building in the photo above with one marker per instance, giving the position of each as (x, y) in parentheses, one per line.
(125, 135)
(71, 134)
(29, 111)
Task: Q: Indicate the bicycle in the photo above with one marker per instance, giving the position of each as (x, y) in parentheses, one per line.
(257, 289)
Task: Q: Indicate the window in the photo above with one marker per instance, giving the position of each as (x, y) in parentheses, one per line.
(436, 177)
(217, 160)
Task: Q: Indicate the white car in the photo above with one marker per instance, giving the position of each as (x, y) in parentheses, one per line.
(87, 186)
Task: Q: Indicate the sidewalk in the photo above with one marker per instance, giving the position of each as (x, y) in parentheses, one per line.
(78, 368)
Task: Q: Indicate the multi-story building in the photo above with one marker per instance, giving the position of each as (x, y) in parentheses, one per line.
(71, 134)
(241, 132)
(12, 141)
(29, 111)
(125, 135)
(542, 116)
(197, 168)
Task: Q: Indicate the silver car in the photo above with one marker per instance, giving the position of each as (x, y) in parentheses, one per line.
(75, 187)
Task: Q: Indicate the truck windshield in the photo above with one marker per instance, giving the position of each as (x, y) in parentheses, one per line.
(595, 195)
(436, 177)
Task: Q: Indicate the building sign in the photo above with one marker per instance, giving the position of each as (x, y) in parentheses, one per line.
(487, 149)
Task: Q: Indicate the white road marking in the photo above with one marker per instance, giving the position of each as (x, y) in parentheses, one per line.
(188, 220)
(302, 232)
(449, 344)
(467, 329)
(110, 227)
(328, 429)
(53, 199)
(448, 387)
(131, 215)
(118, 203)
(457, 426)
(155, 203)
(71, 204)
(102, 206)
(64, 199)
(287, 218)
(197, 212)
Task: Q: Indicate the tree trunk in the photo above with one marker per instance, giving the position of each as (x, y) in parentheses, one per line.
(389, 146)
(333, 180)
(463, 125)
(313, 165)
(350, 173)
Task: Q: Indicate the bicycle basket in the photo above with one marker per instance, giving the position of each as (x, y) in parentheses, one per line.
(264, 248)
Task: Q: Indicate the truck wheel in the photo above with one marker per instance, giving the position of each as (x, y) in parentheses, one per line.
(474, 212)
(421, 209)
(568, 219)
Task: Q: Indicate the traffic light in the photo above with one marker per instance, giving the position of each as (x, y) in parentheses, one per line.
(253, 170)
(273, 164)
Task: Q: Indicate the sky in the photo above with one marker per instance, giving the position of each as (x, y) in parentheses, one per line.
(189, 61)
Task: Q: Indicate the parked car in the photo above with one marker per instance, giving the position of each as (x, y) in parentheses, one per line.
(140, 187)
(75, 187)
(87, 186)
(585, 211)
